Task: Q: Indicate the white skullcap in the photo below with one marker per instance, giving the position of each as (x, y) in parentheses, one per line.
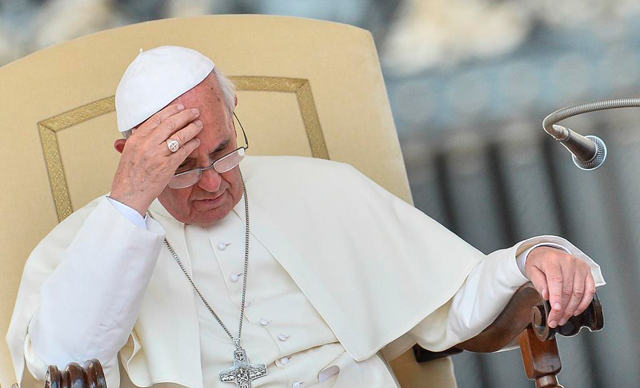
(154, 79)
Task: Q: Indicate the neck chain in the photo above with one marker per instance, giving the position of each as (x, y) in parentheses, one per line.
(242, 372)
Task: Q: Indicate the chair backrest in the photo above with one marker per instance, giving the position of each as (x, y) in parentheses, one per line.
(306, 88)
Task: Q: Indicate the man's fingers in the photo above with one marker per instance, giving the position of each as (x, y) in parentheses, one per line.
(589, 292)
(152, 122)
(576, 296)
(187, 133)
(539, 282)
(554, 284)
(185, 150)
(569, 282)
(173, 124)
(568, 278)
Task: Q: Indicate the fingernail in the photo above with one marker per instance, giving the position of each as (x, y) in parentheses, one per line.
(556, 306)
(195, 111)
(180, 107)
(576, 314)
(552, 324)
(198, 123)
(563, 321)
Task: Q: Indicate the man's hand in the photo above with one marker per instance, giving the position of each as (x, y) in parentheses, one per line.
(564, 280)
(147, 165)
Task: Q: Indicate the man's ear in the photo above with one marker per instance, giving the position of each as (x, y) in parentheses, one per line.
(119, 145)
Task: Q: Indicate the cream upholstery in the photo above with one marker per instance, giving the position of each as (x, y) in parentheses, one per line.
(305, 88)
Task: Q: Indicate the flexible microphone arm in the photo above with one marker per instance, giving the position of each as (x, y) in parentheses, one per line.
(589, 152)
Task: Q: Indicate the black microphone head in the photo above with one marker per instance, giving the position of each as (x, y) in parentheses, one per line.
(599, 158)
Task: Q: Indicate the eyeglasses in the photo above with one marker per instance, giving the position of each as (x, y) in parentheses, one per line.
(228, 162)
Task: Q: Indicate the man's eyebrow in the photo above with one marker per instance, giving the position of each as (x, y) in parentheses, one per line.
(222, 146)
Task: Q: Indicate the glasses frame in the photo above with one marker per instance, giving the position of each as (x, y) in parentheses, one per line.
(200, 170)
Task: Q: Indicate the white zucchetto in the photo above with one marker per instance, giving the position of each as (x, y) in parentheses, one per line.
(154, 79)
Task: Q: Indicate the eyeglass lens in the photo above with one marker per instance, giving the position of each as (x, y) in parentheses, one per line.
(230, 161)
(222, 165)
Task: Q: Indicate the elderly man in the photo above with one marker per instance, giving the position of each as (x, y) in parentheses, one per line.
(295, 272)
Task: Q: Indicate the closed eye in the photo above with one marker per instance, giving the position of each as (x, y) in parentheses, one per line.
(186, 165)
(221, 147)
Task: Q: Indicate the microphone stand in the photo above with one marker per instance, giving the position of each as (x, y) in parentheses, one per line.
(589, 152)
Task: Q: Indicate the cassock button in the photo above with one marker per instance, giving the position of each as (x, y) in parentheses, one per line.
(298, 384)
(283, 337)
(264, 322)
(284, 360)
(235, 277)
(222, 246)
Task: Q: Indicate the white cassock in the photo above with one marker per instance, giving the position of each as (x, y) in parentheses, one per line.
(339, 271)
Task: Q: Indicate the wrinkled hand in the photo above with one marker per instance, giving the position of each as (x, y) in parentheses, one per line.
(563, 279)
(146, 165)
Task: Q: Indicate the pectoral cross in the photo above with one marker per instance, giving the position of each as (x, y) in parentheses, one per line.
(242, 373)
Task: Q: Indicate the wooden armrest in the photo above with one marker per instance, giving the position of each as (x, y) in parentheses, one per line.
(523, 322)
(90, 375)
(528, 308)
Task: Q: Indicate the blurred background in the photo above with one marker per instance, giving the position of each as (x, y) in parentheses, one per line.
(470, 82)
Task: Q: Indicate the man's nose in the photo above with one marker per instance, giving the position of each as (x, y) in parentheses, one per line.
(210, 180)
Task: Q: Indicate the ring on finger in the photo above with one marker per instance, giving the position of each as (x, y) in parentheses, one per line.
(173, 145)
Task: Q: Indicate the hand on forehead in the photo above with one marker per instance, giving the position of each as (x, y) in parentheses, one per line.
(214, 112)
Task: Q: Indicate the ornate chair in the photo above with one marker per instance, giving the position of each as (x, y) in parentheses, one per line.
(306, 87)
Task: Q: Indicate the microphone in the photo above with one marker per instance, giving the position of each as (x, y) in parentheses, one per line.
(588, 152)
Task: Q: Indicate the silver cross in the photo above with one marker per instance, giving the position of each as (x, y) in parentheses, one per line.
(242, 373)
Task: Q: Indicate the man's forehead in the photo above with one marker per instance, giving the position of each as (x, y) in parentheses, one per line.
(208, 88)
(216, 147)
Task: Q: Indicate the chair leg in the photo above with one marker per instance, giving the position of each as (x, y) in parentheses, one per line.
(541, 359)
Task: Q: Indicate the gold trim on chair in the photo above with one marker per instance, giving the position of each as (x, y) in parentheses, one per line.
(50, 127)
(302, 88)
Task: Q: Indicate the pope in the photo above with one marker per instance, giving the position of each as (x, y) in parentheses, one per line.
(203, 267)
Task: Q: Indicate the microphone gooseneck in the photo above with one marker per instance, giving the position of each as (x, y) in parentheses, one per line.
(589, 152)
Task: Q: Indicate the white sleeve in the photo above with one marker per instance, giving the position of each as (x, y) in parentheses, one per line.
(90, 303)
(492, 283)
(130, 213)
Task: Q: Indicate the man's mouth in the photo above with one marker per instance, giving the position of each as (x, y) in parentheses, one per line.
(210, 202)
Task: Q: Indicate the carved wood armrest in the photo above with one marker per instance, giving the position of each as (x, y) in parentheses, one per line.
(523, 322)
(90, 375)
